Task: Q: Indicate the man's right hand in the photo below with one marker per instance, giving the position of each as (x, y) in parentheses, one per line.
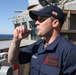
(21, 32)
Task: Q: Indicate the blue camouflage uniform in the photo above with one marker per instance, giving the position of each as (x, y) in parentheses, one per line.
(58, 58)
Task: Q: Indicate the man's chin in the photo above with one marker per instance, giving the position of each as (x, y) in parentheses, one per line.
(40, 35)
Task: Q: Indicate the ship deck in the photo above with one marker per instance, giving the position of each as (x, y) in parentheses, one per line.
(7, 43)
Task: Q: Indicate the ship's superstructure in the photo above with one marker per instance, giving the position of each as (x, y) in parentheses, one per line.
(68, 7)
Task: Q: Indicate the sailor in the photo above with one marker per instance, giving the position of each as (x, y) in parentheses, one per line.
(52, 55)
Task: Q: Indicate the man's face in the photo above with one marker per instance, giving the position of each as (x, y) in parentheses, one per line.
(44, 26)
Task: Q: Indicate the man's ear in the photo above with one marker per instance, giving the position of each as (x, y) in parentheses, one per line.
(55, 23)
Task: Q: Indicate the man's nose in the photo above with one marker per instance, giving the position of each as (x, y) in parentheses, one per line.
(37, 22)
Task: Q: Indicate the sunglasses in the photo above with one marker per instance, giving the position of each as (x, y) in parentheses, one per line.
(42, 18)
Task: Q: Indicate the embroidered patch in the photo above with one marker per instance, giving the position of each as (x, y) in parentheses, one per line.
(54, 13)
(51, 60)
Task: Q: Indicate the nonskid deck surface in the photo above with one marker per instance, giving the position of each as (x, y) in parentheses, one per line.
(7, 43)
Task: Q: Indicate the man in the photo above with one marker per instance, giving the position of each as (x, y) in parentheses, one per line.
(53, 55)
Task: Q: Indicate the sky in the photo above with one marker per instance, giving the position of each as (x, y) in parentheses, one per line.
(7, 8)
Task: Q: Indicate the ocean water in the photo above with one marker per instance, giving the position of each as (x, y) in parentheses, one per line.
(6, 36)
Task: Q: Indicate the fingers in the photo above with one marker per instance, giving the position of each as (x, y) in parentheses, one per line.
(21, 29)
(21, 32)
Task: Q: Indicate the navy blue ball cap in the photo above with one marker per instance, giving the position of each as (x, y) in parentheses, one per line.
(48, 11)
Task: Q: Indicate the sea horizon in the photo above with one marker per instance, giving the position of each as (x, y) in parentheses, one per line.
(4, 37)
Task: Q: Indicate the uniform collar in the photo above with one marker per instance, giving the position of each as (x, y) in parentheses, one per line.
(50, 47)
(54, 43)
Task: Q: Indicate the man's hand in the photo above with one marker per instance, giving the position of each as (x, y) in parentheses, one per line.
(21, 32)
